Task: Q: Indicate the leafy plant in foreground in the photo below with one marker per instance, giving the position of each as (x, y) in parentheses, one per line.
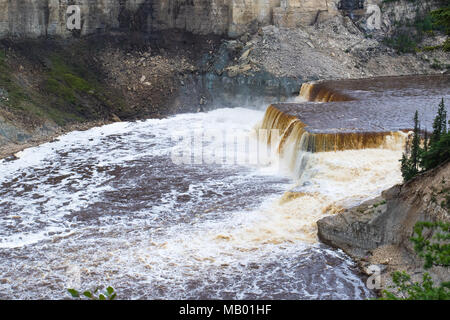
(436, 252)
(109, 294)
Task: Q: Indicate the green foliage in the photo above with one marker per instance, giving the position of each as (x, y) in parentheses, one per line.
(412, 32)
(415, 150)
(425, 24)
(68, 90)
(69, 77)
(431, 48)
(108, 294)
(64, 83)
(437, 65)
(18, 98)
(376, 205)
(437, 20)
(73, 84)
(410, 159)
(446, 45)
(437, 153)
(436, 252)
(441, 18)
(438, 149)
(433, 251)
(59, 89)
(77, 83)
(409, 171)
(435, 150)
(402, 42)
(440, 123)
(408, 290)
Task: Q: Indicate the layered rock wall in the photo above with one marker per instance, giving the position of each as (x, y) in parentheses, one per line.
(34, 18)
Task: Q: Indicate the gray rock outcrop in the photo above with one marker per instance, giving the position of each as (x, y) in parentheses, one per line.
(389, 219)
(379, 231)
(35, 18)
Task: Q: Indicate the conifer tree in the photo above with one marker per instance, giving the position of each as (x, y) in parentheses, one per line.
(425, 142)
(438, 147)
(415, 149)
(440, 123)
(411, 157)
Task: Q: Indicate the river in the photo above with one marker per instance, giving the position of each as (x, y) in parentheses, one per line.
(109, 206)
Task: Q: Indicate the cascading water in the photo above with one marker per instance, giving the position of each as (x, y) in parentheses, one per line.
(109, 206)
(294, 144)
(317, 92)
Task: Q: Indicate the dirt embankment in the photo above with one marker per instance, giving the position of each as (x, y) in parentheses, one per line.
(332, 49)
(48, 87)
(378, 232)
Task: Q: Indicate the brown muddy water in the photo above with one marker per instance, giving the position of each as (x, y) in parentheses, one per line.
(109, 206)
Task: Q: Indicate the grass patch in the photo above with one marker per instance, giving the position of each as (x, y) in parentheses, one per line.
(17, 97)
(77, 83)
(59, 89)
(74, 85)
(431, 48)
(59, 84)
(75, 90)
(379, 203)
(64, 82)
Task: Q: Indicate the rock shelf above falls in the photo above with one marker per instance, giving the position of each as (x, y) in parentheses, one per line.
(358, 113)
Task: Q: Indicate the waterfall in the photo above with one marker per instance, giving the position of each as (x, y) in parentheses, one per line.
(294, 144)
(316, 92)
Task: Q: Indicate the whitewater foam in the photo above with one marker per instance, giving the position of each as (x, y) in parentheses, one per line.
(111, 202)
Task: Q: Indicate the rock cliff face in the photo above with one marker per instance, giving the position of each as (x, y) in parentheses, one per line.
(34, 18)
(391, 221)
(379, 231)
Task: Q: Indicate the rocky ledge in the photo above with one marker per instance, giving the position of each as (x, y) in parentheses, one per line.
(378, 232)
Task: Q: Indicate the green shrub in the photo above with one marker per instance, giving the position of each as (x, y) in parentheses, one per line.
(408, 290)
(446, 45)
(109, 294)
(402, 43)
(436, 252)
(425, 23)
(441, 19)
